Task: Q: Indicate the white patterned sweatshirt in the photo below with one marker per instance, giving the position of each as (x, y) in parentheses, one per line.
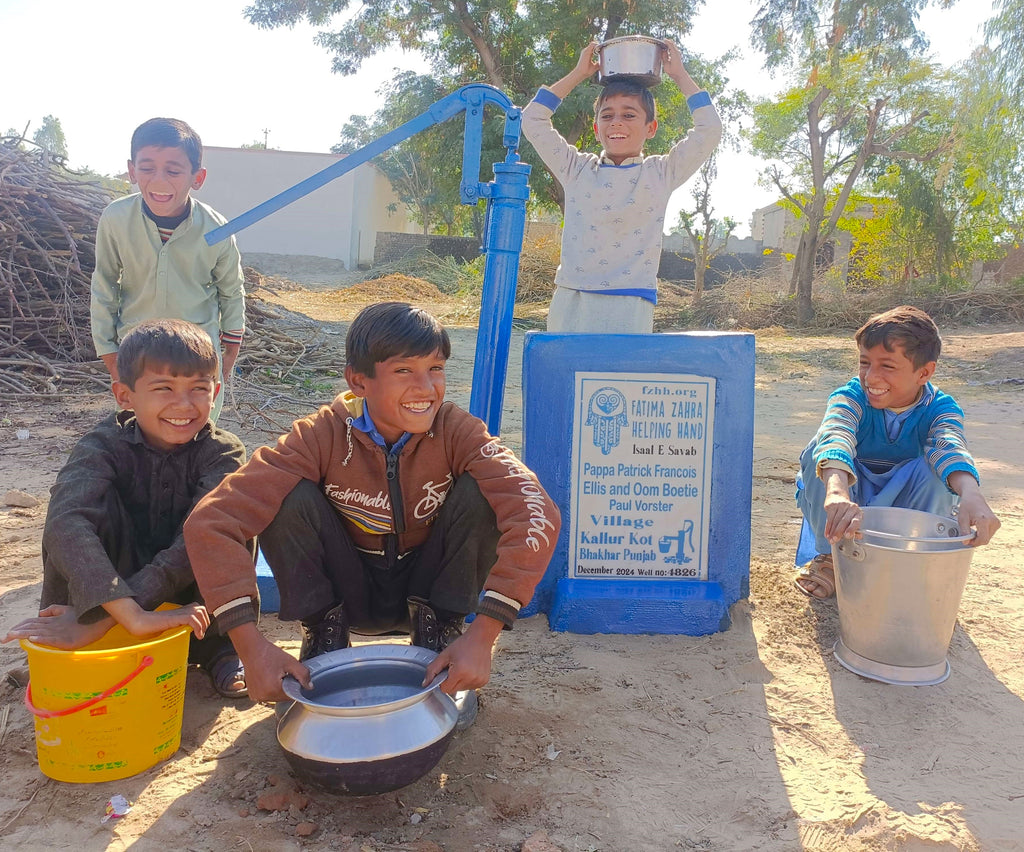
(615, 215)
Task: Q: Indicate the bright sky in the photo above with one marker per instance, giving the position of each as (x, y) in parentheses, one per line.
(103, 68)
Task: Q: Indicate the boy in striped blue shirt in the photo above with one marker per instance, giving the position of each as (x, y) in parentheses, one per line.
(889, 438)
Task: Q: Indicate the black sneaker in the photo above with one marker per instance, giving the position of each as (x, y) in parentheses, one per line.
(329, 634)
(427, 630)
(436, 634)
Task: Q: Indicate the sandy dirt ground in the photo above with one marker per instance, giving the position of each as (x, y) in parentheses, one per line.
(753, 738)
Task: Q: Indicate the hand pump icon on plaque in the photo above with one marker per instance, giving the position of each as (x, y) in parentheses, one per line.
(683, 538)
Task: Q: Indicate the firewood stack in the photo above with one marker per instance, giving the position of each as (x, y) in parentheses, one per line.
(48, 221)
(48, 218)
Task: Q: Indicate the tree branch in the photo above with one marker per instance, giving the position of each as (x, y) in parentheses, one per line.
(874, 114)
(773, 173)
(489, 57)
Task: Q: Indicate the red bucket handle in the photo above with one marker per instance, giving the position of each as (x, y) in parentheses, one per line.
(67, 711)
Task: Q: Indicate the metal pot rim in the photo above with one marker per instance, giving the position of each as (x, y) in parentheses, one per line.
(361, 655)
(631, 38)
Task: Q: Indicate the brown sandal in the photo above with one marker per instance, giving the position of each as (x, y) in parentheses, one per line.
(821, 572)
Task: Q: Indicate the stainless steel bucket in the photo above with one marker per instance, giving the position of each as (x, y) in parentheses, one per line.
(898, 590)
(635, 58)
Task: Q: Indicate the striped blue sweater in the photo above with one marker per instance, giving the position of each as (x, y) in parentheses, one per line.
(853, 430)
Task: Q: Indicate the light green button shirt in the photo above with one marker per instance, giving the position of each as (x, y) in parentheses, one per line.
(139, 278)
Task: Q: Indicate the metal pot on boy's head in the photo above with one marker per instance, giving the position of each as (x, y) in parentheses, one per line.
(367, 726)
(633, 57)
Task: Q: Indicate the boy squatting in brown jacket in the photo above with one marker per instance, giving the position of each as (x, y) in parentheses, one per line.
(389, 509)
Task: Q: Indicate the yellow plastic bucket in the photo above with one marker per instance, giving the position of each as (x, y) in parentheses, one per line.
(108, 710)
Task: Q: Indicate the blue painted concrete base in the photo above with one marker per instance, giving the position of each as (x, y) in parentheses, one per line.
(619, 606)
(270, 598)
(552, 417)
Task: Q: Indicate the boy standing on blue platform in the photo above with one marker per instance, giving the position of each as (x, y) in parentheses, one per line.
(889, 438)
(152, 261)
(615, 202)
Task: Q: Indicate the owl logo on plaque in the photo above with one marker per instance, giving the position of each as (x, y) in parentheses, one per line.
(606, 412)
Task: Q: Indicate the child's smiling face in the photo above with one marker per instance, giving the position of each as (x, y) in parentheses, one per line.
(403, 394)
(622, 128)
(890, 379)
(165, 178)
(170, 409)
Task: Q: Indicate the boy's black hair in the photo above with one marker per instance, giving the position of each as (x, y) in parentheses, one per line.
(627, 87)
(910, 327)
(183, 348)
(390, 329)
(169, 133)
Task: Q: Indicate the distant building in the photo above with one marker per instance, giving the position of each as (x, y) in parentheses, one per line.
(680, 242)
(778, 230)
(1010, 267)
(340, 220)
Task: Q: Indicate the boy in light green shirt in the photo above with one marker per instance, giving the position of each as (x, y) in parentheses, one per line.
(152, 261)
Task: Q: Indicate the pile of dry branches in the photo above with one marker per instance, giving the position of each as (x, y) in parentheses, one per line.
(47, 251)
(48, 218)
(537, 265)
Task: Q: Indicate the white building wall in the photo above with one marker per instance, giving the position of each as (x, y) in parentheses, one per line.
(775, 227)
(339, 220)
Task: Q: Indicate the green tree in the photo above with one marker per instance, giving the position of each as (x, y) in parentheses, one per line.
(502, 43)
(424, 170)
(855, 94)
(1005, 33)
(961, 204)
(708, 234)
(513, 46)
(50, 137)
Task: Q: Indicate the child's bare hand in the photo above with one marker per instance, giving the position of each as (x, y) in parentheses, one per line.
(191, 615)
(588, 61)
(139, 622)
(673, 60)
(672, 65)
(57, 627)
(843, 518)
(842, 515)
(468, 664)
(468, 658)
(974, 512)
(266, 666)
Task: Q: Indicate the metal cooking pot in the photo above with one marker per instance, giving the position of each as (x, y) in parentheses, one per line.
(635, 58)
(367, 726)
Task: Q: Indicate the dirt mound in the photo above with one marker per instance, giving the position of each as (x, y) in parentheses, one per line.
(390, 288)
(343, 304)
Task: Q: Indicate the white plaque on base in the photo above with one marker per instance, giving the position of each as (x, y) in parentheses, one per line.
(641, 476)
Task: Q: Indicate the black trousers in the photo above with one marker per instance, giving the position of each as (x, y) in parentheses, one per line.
(317, 566)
